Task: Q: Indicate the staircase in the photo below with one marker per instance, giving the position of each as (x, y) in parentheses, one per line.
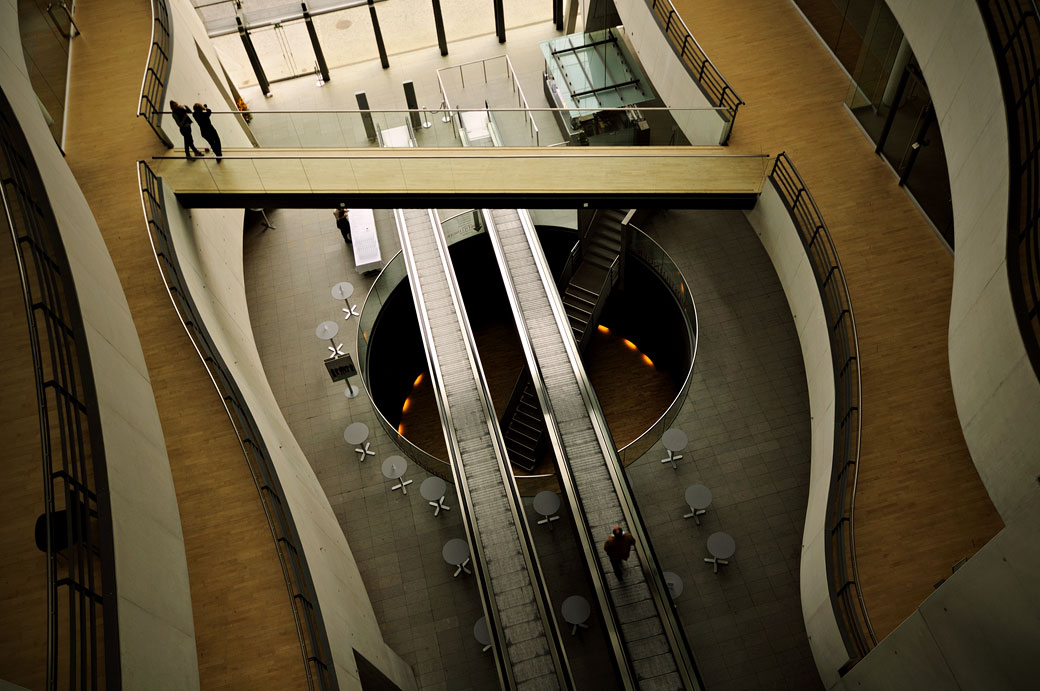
(586, 292)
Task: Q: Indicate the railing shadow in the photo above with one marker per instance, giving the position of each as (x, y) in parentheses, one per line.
(157, 71)
(698, 66)
(842, 574)
(314, 643)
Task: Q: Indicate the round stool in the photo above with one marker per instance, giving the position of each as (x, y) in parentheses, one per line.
(343, 291)
(547, 504)
(721, 547)
(394, 468)
(698, 497)
(432, 490)
(480, 632)
(575, 610)
(456, 553)
(327, 331)
(674, 583)
(357, 433)
(675, 441)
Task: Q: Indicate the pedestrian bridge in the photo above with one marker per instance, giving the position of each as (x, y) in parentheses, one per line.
(548, 177)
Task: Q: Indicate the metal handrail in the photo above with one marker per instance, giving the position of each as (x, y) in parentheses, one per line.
(426, 460)
(509, 72)
(314, 643)
(842, 572)
(65, 8)
(684, 299)
(695, 60)
(157, 71)
(1014, 32)
(72, 452)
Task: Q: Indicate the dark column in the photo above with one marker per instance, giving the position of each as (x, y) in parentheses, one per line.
(439, 21)
(500, 21)
(258, 69)
(558, 14)
(318, 55)
(379, 35)
(366, 117)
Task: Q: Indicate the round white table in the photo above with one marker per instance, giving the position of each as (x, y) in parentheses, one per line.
(674, 583)
(327, 331)
(480, 632)
(547, 504)
(456, 553)
(674, 440)
(575, 610)
(343, 291)
(355, 434)
(721, 547)
(394, 468)
(432, 490)
(698, 497)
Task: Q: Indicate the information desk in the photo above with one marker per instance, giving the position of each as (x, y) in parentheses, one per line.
(366, 242)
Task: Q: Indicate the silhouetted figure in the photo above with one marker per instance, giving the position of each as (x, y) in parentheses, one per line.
(343, 223)
(618, 546)
(206, 129)
(181, 116)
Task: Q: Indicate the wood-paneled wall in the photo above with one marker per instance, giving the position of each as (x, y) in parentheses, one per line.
(244, 627)
(920, 505)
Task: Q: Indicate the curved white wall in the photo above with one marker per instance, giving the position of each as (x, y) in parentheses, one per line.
(667, 73)
(782, 242)
(208, 243)
(156, 630)
(995, 389)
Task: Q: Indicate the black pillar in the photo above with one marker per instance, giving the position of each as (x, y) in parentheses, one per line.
(258, 69)
(500, 21)
(558, 14)
(439, 21)
(318, 55)
(379, 35)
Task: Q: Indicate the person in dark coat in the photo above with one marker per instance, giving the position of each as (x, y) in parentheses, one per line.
(618, 546)
(181, 116)
(343, 223)
(209, 133)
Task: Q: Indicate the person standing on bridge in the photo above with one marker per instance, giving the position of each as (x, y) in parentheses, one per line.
(181, 116)
(618, 546)
(209, 133)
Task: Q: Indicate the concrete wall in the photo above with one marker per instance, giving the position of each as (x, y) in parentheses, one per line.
(191, 82)
(156, 631)
(670, 78)
(781, 240)
(980, 630)
(209, 246)
(995, 389)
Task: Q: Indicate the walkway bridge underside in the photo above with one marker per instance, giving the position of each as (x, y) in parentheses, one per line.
(549, 177)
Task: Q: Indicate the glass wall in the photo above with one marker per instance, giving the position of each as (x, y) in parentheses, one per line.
(889, 98)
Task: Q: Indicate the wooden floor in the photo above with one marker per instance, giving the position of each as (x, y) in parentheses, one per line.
(23, 576)
(244, 628)
(920, 506)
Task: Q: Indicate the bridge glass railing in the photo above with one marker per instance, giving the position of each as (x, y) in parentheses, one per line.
(441, 127)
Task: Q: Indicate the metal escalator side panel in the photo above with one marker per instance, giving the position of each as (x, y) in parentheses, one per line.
(655, 582)
(590, 547)
(551, 631)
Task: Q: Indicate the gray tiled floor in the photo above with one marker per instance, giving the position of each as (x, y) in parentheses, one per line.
(747, 418)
